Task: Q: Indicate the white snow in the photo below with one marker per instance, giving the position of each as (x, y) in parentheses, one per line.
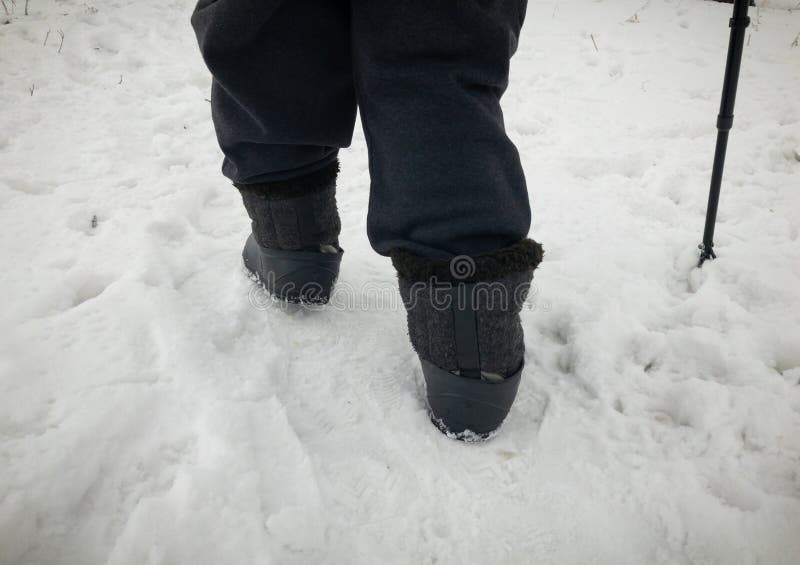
(153, 409)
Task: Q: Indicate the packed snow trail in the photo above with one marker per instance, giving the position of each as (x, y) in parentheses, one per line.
(154, 409)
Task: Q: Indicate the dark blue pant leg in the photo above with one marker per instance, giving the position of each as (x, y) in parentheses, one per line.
(282, 97)
(429, 73)
(429, 76)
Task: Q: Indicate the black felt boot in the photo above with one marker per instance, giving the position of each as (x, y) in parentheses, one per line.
(294, 248)
(463, 321)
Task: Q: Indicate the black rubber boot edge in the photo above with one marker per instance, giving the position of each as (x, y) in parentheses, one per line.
(299, 277)
(468, 409)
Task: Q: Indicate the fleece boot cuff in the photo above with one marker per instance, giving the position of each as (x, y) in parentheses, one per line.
(525, 255)
(295, 214)
(493, 286)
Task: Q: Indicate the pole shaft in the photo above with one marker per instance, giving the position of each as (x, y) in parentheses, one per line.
(738, 24)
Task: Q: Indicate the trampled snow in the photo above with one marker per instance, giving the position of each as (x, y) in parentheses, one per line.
(155, 409)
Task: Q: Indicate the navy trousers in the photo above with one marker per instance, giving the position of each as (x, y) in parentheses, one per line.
(427, 76)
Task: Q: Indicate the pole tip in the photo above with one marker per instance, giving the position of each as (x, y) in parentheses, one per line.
(706, 252)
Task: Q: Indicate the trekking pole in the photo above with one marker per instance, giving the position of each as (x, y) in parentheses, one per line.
(738, 25)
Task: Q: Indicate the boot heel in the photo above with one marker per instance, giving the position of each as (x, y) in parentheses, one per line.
(468, 408)
(299, 277)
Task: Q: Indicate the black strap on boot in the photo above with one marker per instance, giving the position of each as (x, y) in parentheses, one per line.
(465, 327)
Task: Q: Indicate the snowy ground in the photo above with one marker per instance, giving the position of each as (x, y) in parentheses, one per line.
(150, 413)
